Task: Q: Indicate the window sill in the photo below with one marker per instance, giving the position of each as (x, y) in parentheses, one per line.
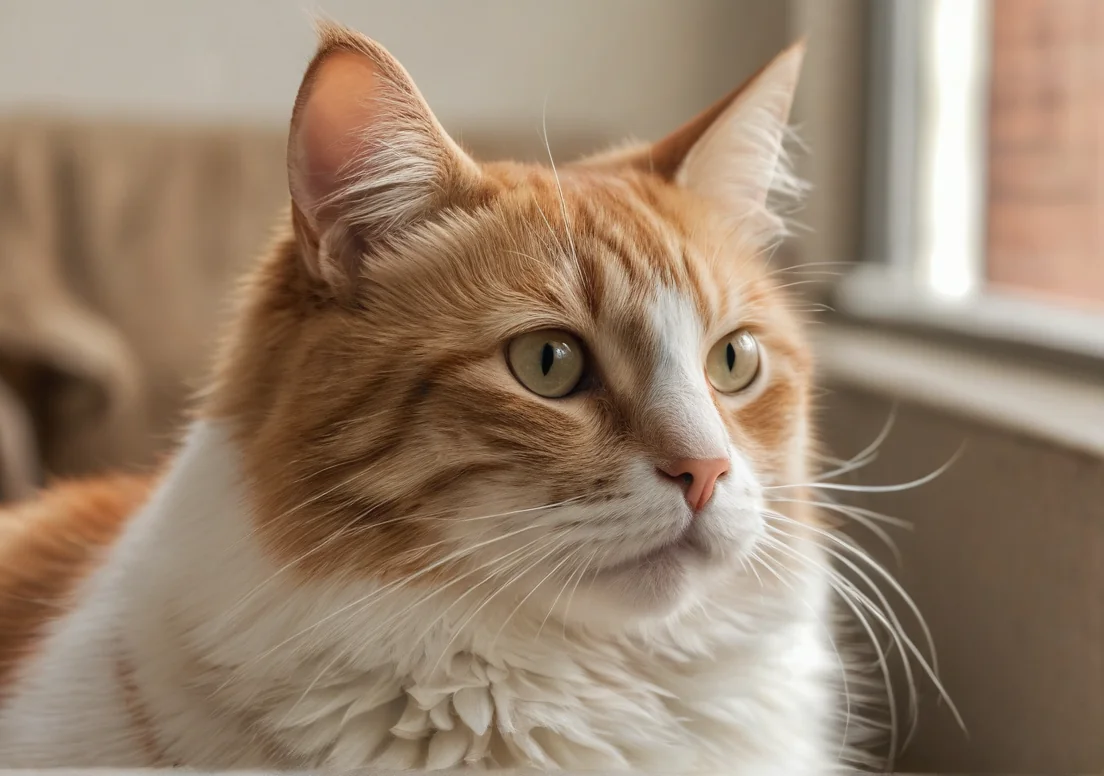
(1065, 336)
(1035, 400)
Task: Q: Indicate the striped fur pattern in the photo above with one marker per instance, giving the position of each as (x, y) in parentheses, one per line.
(376, 546)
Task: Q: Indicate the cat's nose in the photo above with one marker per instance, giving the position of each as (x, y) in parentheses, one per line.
(699, 476)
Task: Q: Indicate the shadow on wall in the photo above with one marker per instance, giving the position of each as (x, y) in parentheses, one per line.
(1006, 563)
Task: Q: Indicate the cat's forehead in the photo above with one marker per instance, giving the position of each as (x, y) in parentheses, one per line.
(629, 247)
(612, 258)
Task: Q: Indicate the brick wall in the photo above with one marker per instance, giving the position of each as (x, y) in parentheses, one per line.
(1046, 152)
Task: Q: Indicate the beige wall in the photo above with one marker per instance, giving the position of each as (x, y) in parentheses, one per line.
(1006, 562)
(606, 68)
(830, 115)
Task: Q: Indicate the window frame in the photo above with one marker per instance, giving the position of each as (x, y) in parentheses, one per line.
(898, 281)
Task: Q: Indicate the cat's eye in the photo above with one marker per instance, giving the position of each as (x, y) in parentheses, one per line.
(549, 362)
(733, 363)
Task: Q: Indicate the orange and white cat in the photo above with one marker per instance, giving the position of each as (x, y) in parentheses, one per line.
(483, 477)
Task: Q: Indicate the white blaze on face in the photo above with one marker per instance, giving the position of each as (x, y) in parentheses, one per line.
(680, 399)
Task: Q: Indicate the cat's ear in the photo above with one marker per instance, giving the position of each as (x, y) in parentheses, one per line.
(366, 156)
(732, 152)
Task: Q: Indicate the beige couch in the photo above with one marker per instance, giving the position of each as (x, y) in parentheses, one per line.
(118, 244)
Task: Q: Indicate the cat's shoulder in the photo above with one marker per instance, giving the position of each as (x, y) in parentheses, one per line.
(48, 545)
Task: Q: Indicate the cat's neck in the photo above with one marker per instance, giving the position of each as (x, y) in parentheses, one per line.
(325, 672)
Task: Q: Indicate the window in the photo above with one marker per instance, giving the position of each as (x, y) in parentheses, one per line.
(985, 197)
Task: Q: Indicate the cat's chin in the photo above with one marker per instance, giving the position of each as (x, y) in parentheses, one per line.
(655, 584)
(667, 561)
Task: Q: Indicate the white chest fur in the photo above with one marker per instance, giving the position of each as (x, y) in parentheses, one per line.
(237, 663)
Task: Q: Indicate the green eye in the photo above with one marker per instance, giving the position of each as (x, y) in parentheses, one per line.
(549, 363)
(733, 363)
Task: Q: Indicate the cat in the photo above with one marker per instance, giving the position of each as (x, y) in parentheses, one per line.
(500, 465)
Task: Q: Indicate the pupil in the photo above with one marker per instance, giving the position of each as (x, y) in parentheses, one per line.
(548, 357)
(730, 356)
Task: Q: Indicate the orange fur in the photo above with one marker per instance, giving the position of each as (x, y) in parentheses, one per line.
(140, 722)
(47, 546)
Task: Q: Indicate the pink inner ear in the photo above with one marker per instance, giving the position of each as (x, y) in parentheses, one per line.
(328, 131)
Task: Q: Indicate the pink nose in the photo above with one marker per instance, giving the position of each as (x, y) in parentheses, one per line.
(699, 474)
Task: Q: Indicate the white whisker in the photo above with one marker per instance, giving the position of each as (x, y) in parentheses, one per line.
(570, 598)
(848, 545)
(894, 628)
(389, 586)
(835, 649)
(883, 663)
(460, 628)
(860, 516)
(887, 619)
(559, 188)
(536, 587)
(876, 488)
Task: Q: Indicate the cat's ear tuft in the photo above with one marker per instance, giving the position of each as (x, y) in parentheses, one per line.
(739, 160)
(366, 156)
(733, 152)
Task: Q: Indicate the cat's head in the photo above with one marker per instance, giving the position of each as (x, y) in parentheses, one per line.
(513, 381)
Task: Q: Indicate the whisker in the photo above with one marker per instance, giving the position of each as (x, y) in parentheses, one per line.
(888, 620)
(494, 562)
(559, 188)
(349, 530)
(460, 628)
(802, 282)
(832, 642)
(856, 514)
(809, 268)
(876, 488)
(754, 556)
(883, 435)
(556, 600)
(390, 585)
(897, 627)
(500, 569)
(567, 607)
(845, 596)
(528, 595)
(896, 522)
(552, 232)
(344, 651)
(313, 498)
(859, 554)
